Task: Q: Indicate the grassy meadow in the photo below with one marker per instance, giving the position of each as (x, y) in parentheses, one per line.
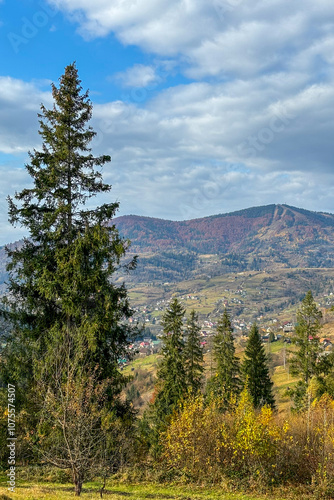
(54, 491)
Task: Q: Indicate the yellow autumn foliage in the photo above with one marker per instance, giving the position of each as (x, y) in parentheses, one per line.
(202, 443)
(193, 440)
(256, 433)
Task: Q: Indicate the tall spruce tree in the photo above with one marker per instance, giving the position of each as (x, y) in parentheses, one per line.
(171, 384)
(225, 384)
(193, 354)
(62, 305)
(305, 357)
(255, 371)
(305, 360)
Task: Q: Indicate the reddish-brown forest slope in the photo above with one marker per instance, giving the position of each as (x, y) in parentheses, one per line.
(277, 226)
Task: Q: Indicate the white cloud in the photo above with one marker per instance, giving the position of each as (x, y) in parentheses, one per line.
(156, 25)
(215, 37)
(138, 75)
(20, 102)
(255, 128)
(205, 148)
(191, 137)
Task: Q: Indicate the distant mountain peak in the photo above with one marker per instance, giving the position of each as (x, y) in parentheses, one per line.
(258, 238)
(279, 225)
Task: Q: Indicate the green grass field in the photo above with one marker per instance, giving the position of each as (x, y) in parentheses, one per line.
(147, 362)
(49, 491)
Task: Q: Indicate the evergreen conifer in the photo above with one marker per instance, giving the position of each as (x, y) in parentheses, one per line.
(225, 384)
(255, 371)
(306, 357)
(172, 381)
(67, 317)
(193, 354)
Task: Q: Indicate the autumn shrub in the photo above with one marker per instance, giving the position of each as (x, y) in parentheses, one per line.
(305, 455)
(251, 447)
(203, 443)
(255, 439)
(293, 463)
(194, 441)
(321, 424)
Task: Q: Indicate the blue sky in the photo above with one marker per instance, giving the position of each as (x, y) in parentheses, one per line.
(205, 106)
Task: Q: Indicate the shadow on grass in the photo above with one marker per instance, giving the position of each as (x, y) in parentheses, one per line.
(106, 493)
(133, 494)
(160, 495)
(47, 489)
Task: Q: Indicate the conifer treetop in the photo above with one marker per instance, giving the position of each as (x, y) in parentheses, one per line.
(64, 170)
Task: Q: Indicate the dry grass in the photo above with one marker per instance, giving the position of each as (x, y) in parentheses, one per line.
(48, 491)
(282, 380)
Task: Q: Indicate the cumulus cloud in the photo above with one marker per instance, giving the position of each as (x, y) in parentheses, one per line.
(254, 126)
(160, 26)
(240, 122)
(215, 37)
(200, 148)
(138, 75)
(20, 102)
(205, 148)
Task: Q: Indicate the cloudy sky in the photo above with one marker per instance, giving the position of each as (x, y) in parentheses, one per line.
(205, 106)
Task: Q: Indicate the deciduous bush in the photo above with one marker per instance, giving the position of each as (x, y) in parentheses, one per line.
(250, 447)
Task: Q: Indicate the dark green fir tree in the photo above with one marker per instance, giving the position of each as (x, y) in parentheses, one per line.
(193, 355)
(256, 372)
(172, 380)
(225, 384)
(68, 319)
(305, 359)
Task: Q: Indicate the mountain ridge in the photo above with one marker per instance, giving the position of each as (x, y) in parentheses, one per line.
(249, 211)
(269, 237)
(263, 238)
(234, 231)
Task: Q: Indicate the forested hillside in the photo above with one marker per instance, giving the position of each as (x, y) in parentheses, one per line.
(261, 238)
(242, 231)
(268, 238)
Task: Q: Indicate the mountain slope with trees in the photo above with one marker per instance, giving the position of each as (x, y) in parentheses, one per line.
(270, 237)
(259, 238)
(237, 231)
